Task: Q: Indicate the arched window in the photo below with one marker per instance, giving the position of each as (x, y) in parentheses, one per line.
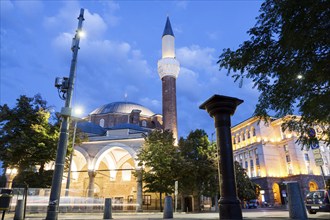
(248, 134)
(102, 122)
(144, 123)
(243, 136)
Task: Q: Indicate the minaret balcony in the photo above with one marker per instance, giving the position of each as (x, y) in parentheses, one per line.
(168, 67)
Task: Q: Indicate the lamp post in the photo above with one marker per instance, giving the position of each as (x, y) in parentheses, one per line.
(67, 187)
(66, 87)
(10, 175)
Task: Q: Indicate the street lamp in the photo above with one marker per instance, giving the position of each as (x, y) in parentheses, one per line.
(10, 175)
(65, 88)
(78, 111)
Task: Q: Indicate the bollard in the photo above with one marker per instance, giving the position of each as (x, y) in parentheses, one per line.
(19, 210)
(297, 208)
(168, 208)
(107, 214)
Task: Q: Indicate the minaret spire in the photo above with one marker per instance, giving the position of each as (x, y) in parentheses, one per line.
(168, 69)
(168, 28)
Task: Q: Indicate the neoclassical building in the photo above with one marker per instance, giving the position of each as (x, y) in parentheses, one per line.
(272, 158)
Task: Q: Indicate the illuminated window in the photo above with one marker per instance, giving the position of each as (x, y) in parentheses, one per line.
(102, 122)
(146, 200)
(258, 171)
(285, 147)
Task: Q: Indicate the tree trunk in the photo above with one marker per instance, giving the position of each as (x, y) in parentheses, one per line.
(41, 169)
(160, 202)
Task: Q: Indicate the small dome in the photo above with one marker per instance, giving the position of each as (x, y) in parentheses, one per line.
(122, 107)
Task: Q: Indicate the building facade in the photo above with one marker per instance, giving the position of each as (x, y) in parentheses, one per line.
(273, 157)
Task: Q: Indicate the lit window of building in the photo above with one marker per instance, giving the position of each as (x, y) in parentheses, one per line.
(286, 148)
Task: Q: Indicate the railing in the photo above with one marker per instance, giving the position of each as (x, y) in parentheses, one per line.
(38, 198)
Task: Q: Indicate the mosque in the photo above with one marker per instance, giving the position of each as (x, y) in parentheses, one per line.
(104, 166)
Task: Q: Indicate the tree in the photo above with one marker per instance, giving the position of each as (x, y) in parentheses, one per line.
(161, 160)
(27, 139)
(287, 58)
(246, 189)
(199, 173)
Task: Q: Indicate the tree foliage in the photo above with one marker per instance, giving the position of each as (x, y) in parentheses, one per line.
(27, 138)
(287, 58)
(161, 160)
(199, 173)
(246, 189)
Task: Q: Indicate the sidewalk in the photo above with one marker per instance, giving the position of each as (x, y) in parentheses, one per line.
(247, 214)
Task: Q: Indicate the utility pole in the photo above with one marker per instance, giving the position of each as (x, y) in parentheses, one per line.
(64, 86)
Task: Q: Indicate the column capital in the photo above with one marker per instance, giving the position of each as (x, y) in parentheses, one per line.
(218, 104)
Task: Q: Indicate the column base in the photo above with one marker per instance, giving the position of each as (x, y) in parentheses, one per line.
(230, 211)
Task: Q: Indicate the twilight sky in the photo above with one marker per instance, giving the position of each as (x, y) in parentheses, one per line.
(119, 54)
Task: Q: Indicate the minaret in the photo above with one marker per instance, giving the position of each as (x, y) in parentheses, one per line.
(168, 70)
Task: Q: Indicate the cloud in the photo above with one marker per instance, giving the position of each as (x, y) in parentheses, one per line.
(30, 8)
(196, 57)
(109, 13)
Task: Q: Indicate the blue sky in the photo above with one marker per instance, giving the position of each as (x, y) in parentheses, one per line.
(119, 54)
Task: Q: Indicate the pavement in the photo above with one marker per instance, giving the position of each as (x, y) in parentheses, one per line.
(257, 214)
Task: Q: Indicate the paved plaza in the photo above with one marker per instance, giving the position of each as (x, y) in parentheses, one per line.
(247, 214)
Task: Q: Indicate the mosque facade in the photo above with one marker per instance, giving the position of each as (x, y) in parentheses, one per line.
(106, 166)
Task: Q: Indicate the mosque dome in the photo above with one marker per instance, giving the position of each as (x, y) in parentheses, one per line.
(122, 107)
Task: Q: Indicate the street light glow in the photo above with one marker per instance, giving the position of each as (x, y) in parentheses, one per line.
(299, 76)
(78, 111)
(81, 34)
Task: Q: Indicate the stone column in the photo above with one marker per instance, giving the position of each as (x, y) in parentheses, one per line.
(220, 109)
(139, 190)
(91, 174)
